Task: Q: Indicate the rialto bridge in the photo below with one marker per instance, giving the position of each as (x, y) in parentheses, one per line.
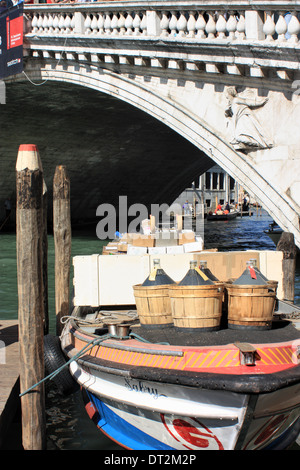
(222, 77)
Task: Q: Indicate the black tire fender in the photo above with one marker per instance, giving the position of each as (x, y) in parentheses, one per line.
(54, 358)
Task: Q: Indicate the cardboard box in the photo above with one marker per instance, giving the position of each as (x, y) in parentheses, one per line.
(186, 237)
(126, 238)
(193, 247)
(157, 250)
(143, 240)
(122, 247)
(136, 250)
(110, 249)
(166, 238)
(173, 250)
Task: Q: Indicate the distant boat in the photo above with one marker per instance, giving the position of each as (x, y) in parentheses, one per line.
(222, 215)
(274, 232)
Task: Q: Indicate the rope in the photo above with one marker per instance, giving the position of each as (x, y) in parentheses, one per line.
(86, 348)
(90, 345)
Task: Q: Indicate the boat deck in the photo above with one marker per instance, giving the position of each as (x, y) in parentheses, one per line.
(281, 331)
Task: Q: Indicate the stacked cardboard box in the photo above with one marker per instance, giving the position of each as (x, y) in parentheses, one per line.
(172, 242)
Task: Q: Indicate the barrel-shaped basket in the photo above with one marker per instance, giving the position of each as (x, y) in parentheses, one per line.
(153, 305)
(251, 306)
(197, 307)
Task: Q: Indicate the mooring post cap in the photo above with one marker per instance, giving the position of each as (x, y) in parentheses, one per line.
(28, 157)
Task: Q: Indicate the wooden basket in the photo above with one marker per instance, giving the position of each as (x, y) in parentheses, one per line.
(251, 306)
(197, 306)
(153, 305)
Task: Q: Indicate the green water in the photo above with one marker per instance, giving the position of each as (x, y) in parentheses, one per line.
(82, 244)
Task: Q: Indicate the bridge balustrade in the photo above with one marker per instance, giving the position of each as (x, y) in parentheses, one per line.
(268, 22)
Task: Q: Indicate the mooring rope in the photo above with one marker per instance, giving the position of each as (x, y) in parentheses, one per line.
(90, 345)
(87, 347)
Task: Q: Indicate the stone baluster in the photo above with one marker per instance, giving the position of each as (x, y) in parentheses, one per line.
(241, 26)
(61, 24)
(281, 27)
(164, 24)
(73, 23)
(56, 23)
(200, 26)
(87, 24)
(231, 25)
(129, 24)
(114, 24)
(67, 24)
(173, 23)
(50, 24)
(191, 24)
(210, 27)
(45, 24)
(34, 23)
(40, 23)
(101, 23)
(182, 25)
(269, 26)
(144, 25)
(94, 24)
(221, 25)
(294, 28)
(107, 23)
(136, 24)
(121, 24)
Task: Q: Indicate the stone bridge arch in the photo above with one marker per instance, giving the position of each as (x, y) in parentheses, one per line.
(152, 98)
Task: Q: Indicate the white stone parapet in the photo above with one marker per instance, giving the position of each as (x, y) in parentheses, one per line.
(263, 21)
(237, 39)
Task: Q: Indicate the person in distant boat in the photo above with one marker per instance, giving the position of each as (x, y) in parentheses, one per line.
(219, 208)
(227, 208)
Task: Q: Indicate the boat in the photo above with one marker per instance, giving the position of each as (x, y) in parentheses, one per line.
(222, 215)
(274, 232)
(161, 387)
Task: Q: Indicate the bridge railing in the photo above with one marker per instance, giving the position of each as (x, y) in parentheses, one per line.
(181, 20)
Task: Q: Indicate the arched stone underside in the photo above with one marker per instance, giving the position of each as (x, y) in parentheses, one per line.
(201, 134)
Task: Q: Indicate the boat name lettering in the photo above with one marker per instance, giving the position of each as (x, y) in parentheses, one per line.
(143, 388)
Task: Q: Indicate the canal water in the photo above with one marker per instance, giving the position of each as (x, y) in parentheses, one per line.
(68, 426)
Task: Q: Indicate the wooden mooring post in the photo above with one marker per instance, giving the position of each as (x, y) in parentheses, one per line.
(287, 245)
(29, 193)
(62, 242)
